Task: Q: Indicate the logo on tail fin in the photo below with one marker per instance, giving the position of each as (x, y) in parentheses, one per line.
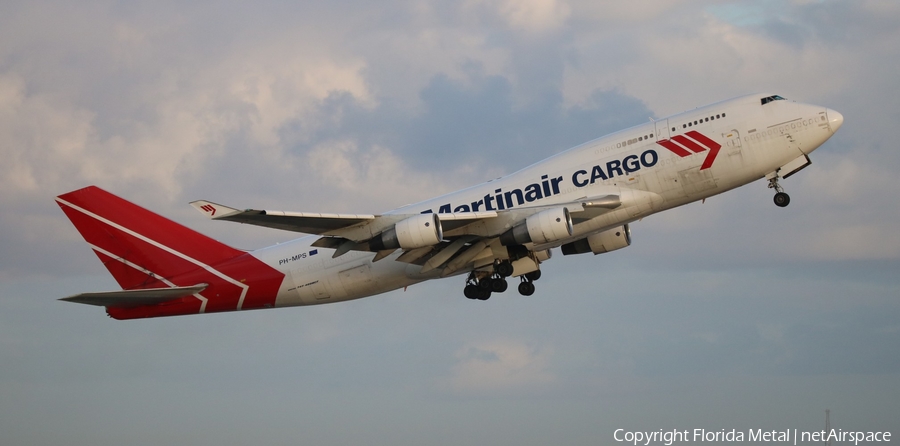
(209, 208)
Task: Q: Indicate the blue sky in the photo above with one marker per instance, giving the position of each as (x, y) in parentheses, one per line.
(727, 314)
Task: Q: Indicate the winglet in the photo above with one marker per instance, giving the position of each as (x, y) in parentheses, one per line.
(214, 210)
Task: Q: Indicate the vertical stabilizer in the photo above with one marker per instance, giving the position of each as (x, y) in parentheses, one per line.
(143, 250)
(138, 247)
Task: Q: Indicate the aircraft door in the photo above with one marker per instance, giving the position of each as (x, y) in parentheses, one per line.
(734, 149)
(666, 175)
(662, 129)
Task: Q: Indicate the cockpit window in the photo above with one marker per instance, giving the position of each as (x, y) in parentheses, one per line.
(770, 99)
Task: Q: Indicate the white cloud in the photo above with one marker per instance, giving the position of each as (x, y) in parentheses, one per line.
(534, 15)
(285, 86)
(500, 366)
(530, 16)
(360, 177)
(37, 133)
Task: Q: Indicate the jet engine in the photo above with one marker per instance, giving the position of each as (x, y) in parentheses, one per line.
(414, 232)
(545, 226)
(601, 242)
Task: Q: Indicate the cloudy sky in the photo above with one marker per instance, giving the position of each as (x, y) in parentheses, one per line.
(732, 314)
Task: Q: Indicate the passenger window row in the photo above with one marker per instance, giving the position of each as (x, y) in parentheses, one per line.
(701, 120)
(631, 141)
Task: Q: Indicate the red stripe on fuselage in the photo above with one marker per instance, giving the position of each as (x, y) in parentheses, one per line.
(713, 148)
(697, 143)
(674, 148)
(691, 145)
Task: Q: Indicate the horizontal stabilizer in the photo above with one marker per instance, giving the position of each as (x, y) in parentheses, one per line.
(135, 298)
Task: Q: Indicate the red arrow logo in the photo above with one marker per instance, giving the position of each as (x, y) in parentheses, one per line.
(693, 141)
(209, 208)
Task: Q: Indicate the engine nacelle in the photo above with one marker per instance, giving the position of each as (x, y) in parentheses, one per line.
(543, 227)
(599, 243)
(414, 232)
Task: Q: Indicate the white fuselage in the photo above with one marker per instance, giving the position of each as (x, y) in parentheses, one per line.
(756, 140)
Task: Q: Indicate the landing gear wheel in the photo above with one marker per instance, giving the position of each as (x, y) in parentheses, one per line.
(534, 275)
(782, 199)
(499, 285)
(504, 268)
(526, 288)
(481, 289)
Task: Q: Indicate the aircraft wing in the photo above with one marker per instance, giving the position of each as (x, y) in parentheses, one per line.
(306, 222)
(362, 227)
(357, 227)
(135, 298)
(346, 232)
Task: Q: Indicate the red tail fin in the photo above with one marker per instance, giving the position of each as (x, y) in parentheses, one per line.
(137, 246)
(144, 250)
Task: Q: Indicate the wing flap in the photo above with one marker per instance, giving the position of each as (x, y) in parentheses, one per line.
(459, 219)
(135, 298)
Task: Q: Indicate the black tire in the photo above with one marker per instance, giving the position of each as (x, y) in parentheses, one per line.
(534, 275)
(505, 268)
(526, 288)
(471, 291)
(484, 294)
(499, 285)
(782, 199)
(485, 284)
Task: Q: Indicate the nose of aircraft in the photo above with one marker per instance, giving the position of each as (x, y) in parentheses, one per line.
(835, 119)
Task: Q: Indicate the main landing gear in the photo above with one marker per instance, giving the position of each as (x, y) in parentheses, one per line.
(526, 288)
(481, 288)
(782, 199)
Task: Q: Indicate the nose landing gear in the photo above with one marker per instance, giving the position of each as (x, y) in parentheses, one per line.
(781, 199)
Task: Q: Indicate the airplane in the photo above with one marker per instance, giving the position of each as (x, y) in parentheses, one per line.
(582, 200)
